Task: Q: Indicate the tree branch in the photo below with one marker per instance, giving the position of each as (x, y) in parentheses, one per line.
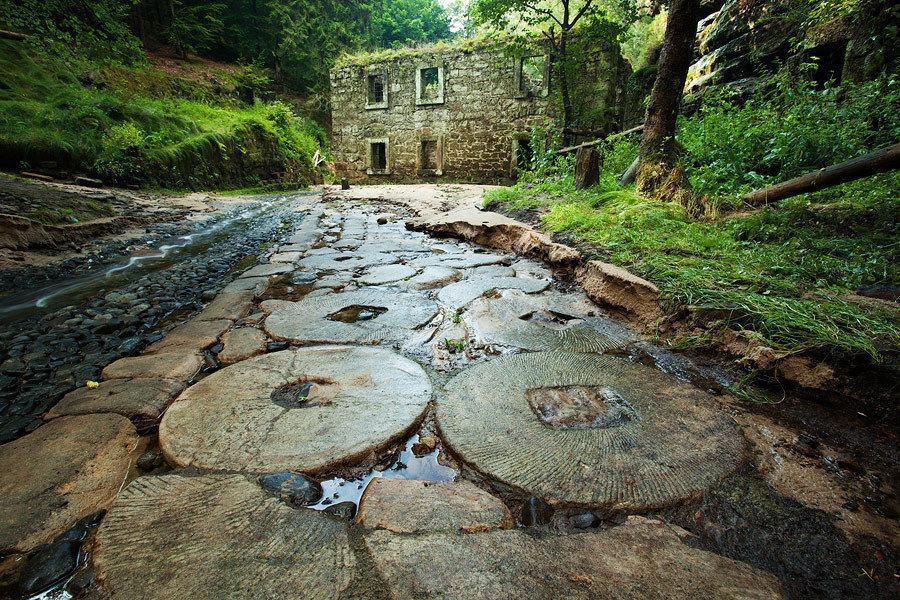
(581, 13)
(542, 11)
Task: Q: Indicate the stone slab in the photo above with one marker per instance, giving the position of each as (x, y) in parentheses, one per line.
(589, 430)
(195, 335)
(218, 536)
(306, 409)
(241, 344)
(62, 472)
(639, 559)
(411, 506)
(180, 366)
(132, 398)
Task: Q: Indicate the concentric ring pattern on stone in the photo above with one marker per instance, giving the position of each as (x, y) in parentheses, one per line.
(307, 410)
(588, 429)
(534, 323)
(367, 316)
(217, 536)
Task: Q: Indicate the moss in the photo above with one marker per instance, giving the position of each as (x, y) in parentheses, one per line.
(126, 127)
(463, 45)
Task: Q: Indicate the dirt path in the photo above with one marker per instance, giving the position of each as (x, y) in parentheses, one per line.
(374, 412)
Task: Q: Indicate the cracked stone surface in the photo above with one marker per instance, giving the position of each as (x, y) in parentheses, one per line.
(62, 472)
(196, 335)
(540, 323)
(241, 344)
(306, 409)
(175, 364)
(315, 320)
(143, 398)
(218, 536)
(461, 293)
(345, 261)
(589, 430)
(382, 274)
(640, 559)
(410, 506)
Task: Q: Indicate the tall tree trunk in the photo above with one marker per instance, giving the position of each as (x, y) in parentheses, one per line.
(659, 172)
(566, 94)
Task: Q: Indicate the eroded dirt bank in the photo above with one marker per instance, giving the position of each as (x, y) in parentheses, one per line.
(524, 442)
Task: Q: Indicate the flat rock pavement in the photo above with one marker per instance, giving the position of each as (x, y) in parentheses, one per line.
(321, 361)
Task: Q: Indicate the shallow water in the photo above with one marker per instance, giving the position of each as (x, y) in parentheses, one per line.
(165, 253)
(407, 466)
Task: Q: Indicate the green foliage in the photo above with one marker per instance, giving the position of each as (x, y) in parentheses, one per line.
(194, 26)
(786, 273)
(47, 113)
(786, 131)
(88, 29)
(405, 22)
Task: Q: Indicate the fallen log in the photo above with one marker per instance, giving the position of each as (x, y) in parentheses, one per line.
(886, 159)
(600, 141)
(628, 176)
(12, 35)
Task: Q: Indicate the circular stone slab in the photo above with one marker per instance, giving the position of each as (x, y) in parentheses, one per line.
(305, 410)
(536, 323)
(588, 429)
(367, 316)
(217, 536)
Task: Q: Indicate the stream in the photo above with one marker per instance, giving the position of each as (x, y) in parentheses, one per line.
(55, 336)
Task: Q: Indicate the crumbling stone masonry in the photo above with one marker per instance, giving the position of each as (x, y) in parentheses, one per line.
(457, 113)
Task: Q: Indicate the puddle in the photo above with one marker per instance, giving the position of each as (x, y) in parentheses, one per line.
(407, 466)
(356, 313)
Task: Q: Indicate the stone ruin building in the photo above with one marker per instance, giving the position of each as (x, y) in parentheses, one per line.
(459, 112)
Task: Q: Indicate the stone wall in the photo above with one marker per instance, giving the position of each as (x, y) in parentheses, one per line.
(475, 129)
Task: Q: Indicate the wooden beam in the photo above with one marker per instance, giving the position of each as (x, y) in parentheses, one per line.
(600, 141)
(886, 159)
(12, 35)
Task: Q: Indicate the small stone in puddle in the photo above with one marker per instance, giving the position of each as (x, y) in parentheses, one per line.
(382, 220)
(536, 512)
(303, 278)
(343, 510)
(150, 460)
(583, 520)
(425, 445)
(293, 488)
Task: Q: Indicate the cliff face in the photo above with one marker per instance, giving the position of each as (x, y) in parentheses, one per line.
(745, 40)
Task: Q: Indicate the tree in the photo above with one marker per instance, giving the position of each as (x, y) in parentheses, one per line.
(555, 20)
(660, 173)
(405, 22)
(193, 26)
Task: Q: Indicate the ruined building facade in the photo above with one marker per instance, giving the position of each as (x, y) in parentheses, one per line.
(454, 113)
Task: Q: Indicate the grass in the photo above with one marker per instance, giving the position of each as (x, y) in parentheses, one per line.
(785, 273)
(123, 125)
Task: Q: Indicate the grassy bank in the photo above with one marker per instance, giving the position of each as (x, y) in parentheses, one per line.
(787, 273)
(138, 125)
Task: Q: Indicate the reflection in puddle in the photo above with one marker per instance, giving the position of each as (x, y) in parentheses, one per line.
(407, 466)
(357, 312)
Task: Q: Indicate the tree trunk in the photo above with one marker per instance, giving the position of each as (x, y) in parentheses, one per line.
(587, 168)
(659, 172)
(886, 159)
(564, 90)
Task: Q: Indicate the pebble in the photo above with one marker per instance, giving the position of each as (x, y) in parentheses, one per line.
(293, 488)
(343, 510)
(149, 460)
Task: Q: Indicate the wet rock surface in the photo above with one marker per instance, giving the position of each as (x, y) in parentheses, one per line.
(589, 429)
(96, 318)
(349, 402)
(313, 470)
(66, 470)
(227, 539)
(640, 559)
(410, 506)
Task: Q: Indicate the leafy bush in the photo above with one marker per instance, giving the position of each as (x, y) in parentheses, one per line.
(789, 130)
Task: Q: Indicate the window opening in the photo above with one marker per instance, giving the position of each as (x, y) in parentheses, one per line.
(379, 156)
